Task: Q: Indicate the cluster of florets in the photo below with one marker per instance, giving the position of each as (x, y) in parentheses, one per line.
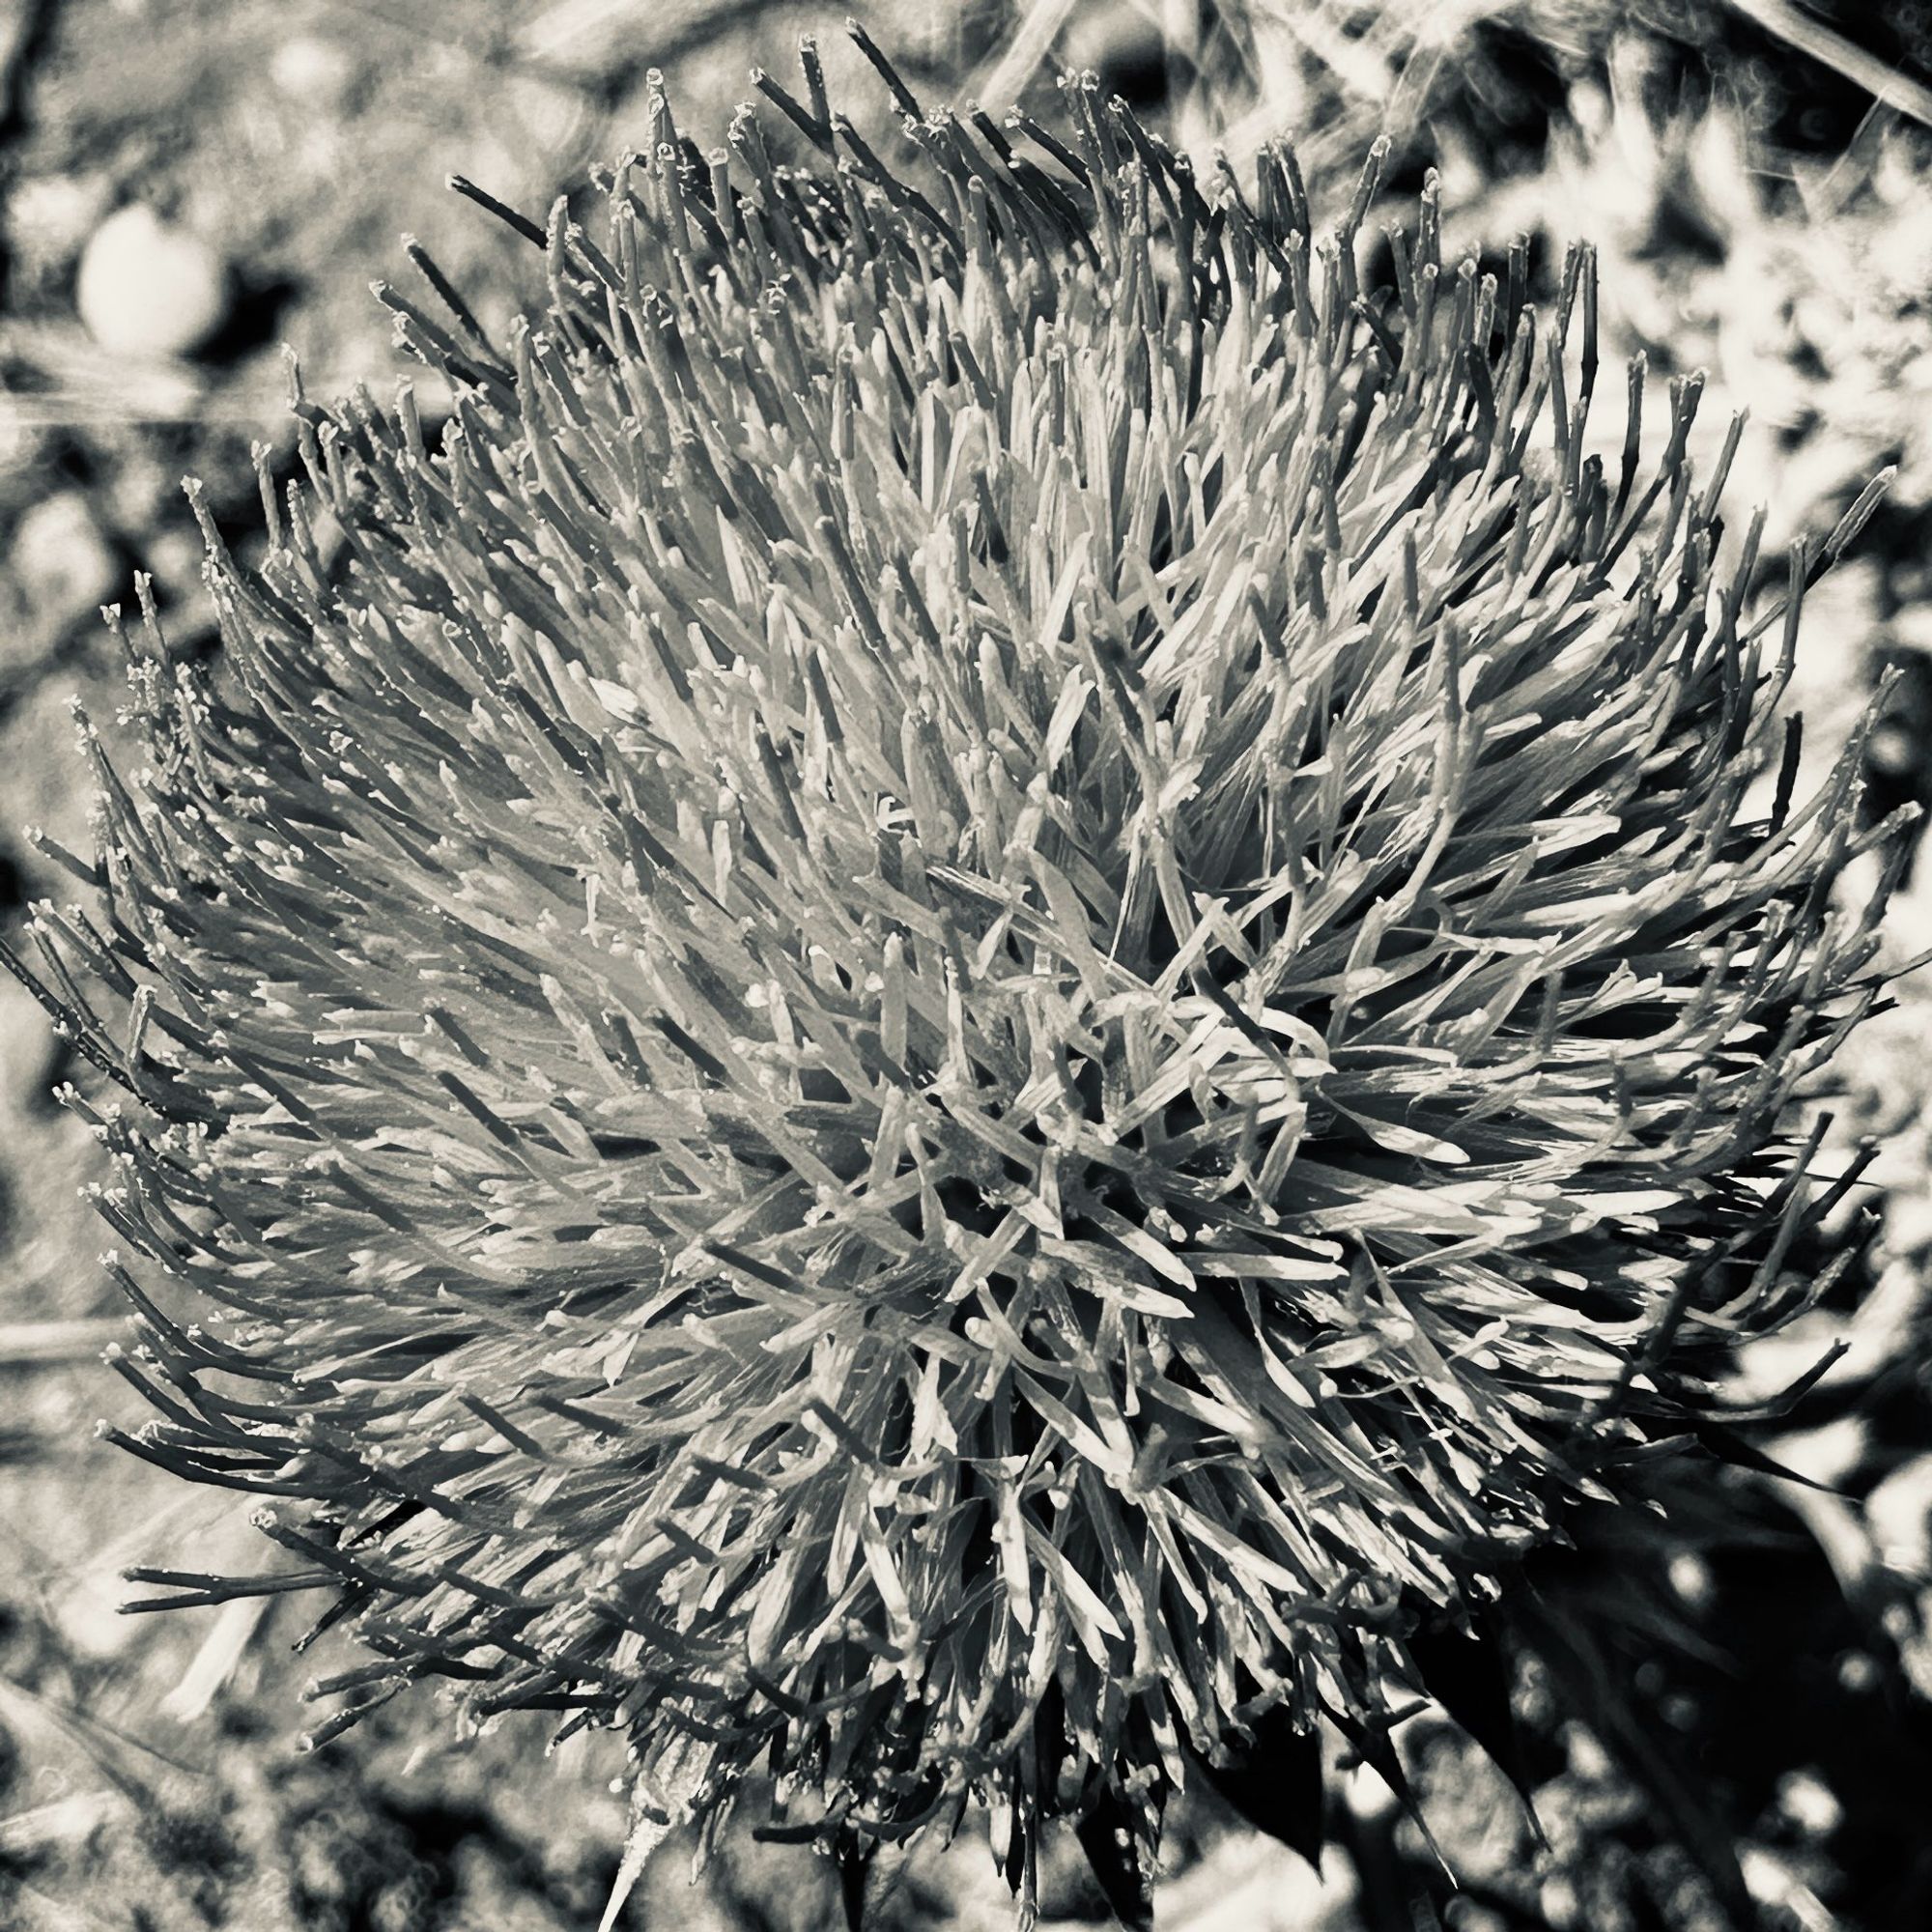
(990, 988)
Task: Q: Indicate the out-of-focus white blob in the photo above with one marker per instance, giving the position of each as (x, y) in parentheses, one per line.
(148, 288)
(1899, 1515)
(62, 570)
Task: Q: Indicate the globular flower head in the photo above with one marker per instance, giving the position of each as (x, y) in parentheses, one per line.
(984, 990)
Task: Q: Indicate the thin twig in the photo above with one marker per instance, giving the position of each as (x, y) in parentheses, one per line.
(54, 1345)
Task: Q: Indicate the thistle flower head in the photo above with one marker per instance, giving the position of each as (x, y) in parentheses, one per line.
(984, 990)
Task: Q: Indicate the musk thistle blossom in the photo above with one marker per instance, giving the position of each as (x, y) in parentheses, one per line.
(987, 993)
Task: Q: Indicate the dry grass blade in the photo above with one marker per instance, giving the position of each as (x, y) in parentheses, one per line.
(1357, 62)
(1026, 51)
(1831, 48)
(1387, 72)
(126, 1762)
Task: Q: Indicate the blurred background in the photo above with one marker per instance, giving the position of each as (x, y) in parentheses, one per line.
(185, 186)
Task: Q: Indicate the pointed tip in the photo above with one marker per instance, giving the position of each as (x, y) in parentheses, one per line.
(853, 1866)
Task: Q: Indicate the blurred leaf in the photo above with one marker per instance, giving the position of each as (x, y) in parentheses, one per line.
(1276, 1784)
(1107, 1836)
(1470, 1677)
